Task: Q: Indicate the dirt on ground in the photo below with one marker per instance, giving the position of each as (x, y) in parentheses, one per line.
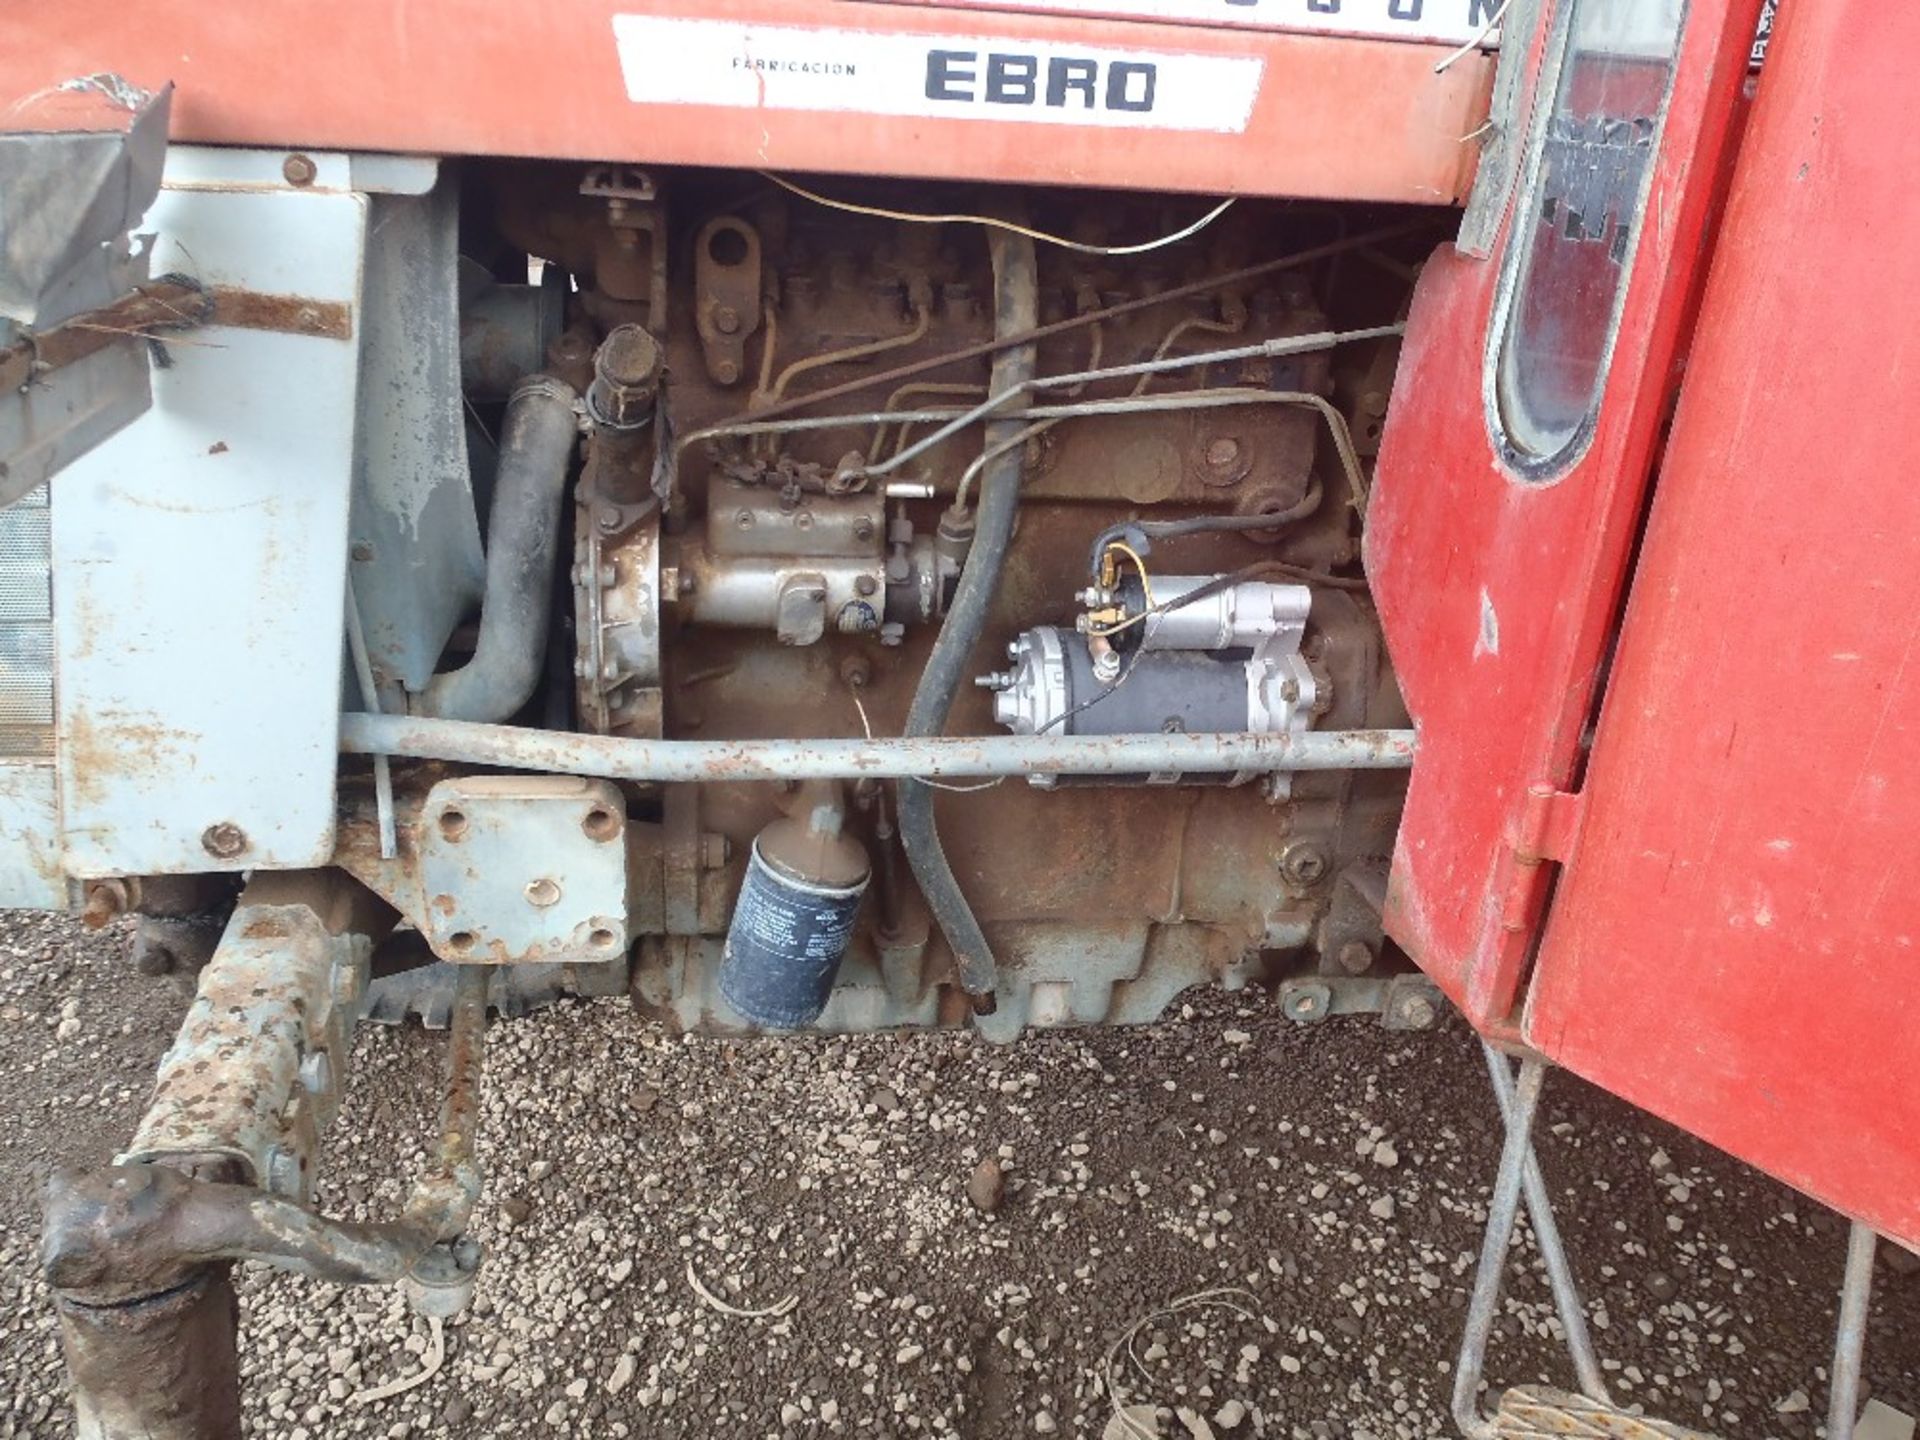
(1228, 1224)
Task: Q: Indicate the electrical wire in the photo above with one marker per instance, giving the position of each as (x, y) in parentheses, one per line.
(1146, 590)
(1306, 505)
(1453, 57)
(879, 212)
(866, 728)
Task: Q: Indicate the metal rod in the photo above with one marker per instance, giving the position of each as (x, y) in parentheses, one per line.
(1546, 1230)
(1502, 1210)
(1265, 349)
(444, 1193)
(619, 758)
(370, 697)
(1299, 259)
(1850, 1341)
(957, 418)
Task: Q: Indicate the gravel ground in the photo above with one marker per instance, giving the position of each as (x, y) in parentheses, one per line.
(1326, 1185)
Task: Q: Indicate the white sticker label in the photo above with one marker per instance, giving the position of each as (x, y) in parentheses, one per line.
(1449, 22)
(669, 61)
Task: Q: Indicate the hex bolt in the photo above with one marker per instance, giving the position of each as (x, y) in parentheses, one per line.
(863, 528)
(223, 840)
(1417, 1012)
(1303, 863)
(1355, 957)
(362, 551)
(299, 170)
(726, 319)
(865, 585)
(1307, 1003)
(608, 519)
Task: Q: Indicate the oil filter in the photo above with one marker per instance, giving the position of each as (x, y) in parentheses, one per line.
(795, 913)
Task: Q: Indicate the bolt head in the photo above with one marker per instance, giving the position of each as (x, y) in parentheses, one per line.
(299, 170)
(1224, 453)
(1303, 863)
(726, 320)
(1417, 1012)
(223, 840)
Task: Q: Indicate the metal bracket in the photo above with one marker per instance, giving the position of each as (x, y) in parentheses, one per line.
(524, 868)
(1544, 833)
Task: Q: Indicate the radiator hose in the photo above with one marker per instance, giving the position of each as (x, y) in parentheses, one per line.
(523, 545)
(1015, 310)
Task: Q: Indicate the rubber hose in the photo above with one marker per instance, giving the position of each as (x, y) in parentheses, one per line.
(523, 545)
(1015, 309)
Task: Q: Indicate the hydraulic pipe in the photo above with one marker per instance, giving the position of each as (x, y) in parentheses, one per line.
(1016, 308)
(523, 544)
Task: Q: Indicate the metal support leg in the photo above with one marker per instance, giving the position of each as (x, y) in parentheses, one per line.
(1850, 1343)
(1502, 1211)
(1546, 1230)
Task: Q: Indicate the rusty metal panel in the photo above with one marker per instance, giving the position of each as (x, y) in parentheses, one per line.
(1735, 941)
(200, 554)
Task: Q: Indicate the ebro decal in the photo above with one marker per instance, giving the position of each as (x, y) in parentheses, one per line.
(670, 61)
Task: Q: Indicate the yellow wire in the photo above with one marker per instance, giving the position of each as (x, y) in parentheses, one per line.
(879, 213)
(1146, 591)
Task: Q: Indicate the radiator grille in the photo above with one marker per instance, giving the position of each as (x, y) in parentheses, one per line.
(26, 629)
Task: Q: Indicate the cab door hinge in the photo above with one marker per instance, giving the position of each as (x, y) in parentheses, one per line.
(1544, 833)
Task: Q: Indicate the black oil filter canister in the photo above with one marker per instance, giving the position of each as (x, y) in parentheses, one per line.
(795, 913)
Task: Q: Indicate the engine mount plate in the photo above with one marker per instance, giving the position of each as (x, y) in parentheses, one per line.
(519, 869)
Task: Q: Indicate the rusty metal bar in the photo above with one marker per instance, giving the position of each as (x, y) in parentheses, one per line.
(618, 758)
(268, 1027)
(443, 1197)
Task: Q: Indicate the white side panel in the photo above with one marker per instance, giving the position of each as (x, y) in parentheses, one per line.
(199, 557)
(30, 877)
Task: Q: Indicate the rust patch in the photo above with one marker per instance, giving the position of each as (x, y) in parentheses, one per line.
(288, 314)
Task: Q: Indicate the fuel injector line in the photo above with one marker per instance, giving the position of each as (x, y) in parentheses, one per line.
(1016, 309)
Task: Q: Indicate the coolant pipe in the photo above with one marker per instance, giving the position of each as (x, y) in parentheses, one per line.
(523, 544)
(1016, 308)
